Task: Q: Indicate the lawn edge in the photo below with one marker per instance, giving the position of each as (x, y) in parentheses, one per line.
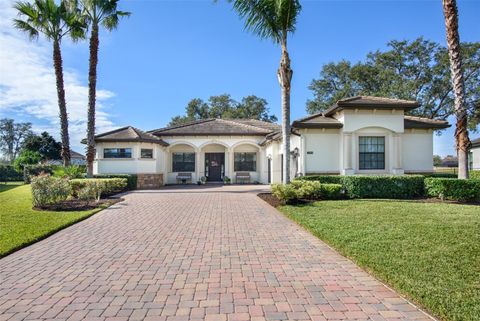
(52, 232)
(404, 296)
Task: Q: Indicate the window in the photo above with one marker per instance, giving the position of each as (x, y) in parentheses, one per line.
(117, 153)
(245, 162)
(183, 162)
(146, 153)
(372, 152)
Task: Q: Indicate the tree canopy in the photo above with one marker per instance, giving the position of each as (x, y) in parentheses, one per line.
(45, 144)
(417, 70)
(223, 106)
(12, 135)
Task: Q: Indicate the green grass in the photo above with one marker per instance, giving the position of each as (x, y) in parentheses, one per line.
(429, 252)
(20, 225)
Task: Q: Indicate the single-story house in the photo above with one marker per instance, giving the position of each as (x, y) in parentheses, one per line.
(358, 135)
(75, 159)
(474, 155)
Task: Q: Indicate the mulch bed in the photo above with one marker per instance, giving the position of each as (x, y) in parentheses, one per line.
(270, 199)
(78, 205)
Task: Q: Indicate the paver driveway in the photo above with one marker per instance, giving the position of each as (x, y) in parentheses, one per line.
(186, 255)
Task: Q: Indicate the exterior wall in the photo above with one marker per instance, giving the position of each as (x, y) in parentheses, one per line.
(134, 165)
(321, 151)
(354, 120)
(418, 151)
(475, 156)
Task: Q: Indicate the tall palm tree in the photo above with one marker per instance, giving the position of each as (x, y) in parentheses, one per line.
(98, 13)
(274, 20)
(450, 12)
(54, 21)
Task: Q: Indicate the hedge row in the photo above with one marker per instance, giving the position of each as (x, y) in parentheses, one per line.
(9, 174)
(406, 186)
(453, 189)
(48, 190)
(307, 190)
(131, 179)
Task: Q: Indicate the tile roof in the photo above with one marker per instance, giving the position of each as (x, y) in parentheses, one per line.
(217, 126)
(317, 121)
(427, 123)
(128, 134)
(371, 102)
(476, 142)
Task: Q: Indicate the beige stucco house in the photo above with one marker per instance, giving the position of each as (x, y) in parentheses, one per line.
(358, 135)
(474, 155)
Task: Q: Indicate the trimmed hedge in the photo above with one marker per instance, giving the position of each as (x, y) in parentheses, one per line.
(332, 191)
(306, 190)
(131, 179)
(453, 189)
(327, 179)
(398, 187)
(9, 174)
(474, 174)
(97, 186)
(47, 190)
(30, 171)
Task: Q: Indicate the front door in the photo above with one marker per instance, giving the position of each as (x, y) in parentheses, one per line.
(214, 166)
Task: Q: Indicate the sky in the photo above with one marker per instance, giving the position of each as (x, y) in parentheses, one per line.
(169, 52)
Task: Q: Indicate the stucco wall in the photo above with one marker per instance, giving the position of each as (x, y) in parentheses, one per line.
(355, 120)
(321, 150)
(475, 152)
(418, 151)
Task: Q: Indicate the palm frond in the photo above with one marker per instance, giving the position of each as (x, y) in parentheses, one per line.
(26, 27)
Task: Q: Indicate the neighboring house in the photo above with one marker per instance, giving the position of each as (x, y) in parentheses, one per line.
(449, 161)
(75, 159)
(358, 135)
(474, 155)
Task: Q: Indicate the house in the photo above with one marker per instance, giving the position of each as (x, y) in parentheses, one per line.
(75, 159)
(358, 135)
(474, 155)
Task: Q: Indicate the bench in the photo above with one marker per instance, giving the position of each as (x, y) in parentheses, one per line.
(184, 177)
(242, 177)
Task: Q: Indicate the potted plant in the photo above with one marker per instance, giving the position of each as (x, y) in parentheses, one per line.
(226, 180)
(203, 179)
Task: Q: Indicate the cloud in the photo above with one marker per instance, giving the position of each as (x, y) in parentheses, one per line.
(27, 84)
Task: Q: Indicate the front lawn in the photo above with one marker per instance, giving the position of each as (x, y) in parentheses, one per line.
(429, 252)
(20, 225)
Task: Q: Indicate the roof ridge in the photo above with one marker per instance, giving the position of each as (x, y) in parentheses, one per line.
(244, 125)
(140, 132)
(190, 123)
(113, 131)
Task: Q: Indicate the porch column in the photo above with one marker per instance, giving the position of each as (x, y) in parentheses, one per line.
(397, 147)
(230, 164)
(347, 154)
(197, 164)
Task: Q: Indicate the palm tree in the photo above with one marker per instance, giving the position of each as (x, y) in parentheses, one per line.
(54, 21)
(274, 20)
(450, 12)
(105, 13)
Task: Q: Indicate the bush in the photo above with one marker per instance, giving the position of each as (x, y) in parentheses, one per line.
(48, 190)
(400, 187)
(285, 193)
(453, 189)
(97, 186)
(35, 170)
(26, 157)
(131, 179)
(9, 174)
(441, 175)
(474, 174)
(327, 179)
(307, 189)
(74, 171)
(331, 191)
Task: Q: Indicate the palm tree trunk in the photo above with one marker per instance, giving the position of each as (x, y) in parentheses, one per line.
(284, 74)
(62, 105)
(92, 88)
(453, 41)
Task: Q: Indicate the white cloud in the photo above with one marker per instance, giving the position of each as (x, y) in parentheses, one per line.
(27, 83)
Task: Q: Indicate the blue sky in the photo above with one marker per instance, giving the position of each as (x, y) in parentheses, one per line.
(169, 52)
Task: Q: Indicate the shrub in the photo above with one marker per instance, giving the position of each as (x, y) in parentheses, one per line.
(34, 170)
(474, 174)
(26, 157)
(327, 179)
(441, 175)
(307, 189)
(409, 186)
(9, 174)
(74, 171)
(331, 191)
(97, 186)
(285, 193)
(453, 189)
(131, 179)
(49, 190)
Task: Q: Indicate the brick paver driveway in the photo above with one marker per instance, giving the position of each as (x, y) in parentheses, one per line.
(191, 255)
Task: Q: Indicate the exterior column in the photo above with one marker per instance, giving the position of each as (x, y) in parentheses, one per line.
(347, 154)
(230, 164)
(197, 164)
(303, 156)
(398, 166)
